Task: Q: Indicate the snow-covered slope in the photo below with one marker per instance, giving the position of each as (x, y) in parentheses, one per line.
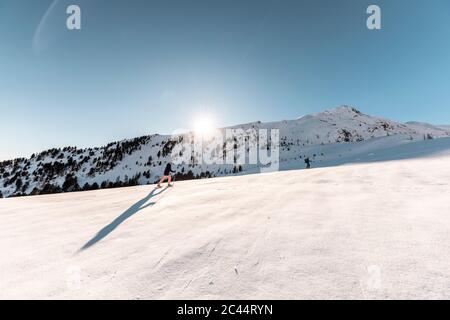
(372, 230)
(329, 137)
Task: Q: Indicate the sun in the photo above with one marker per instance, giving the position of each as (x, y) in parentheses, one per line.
(203, 124)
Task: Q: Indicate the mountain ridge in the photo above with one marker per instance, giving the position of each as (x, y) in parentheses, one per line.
(323, 137)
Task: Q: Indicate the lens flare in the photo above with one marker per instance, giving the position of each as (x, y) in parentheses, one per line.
(203, 125)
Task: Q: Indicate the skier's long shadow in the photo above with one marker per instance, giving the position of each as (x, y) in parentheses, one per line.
(124, 216)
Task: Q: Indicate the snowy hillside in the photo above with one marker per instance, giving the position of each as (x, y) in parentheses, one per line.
(336, 136)
(371, 230)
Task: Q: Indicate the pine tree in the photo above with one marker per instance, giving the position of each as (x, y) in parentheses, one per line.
(19, 183)
(71, 183)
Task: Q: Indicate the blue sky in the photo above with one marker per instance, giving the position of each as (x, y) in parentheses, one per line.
(140, 66)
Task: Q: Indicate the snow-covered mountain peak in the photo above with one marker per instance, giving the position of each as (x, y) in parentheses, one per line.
(342, 110)
(326, 138)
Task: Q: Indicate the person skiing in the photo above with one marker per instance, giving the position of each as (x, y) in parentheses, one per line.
(166, 175)
(308, 163)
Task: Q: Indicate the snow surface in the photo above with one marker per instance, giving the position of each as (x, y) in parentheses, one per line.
(368, 230)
